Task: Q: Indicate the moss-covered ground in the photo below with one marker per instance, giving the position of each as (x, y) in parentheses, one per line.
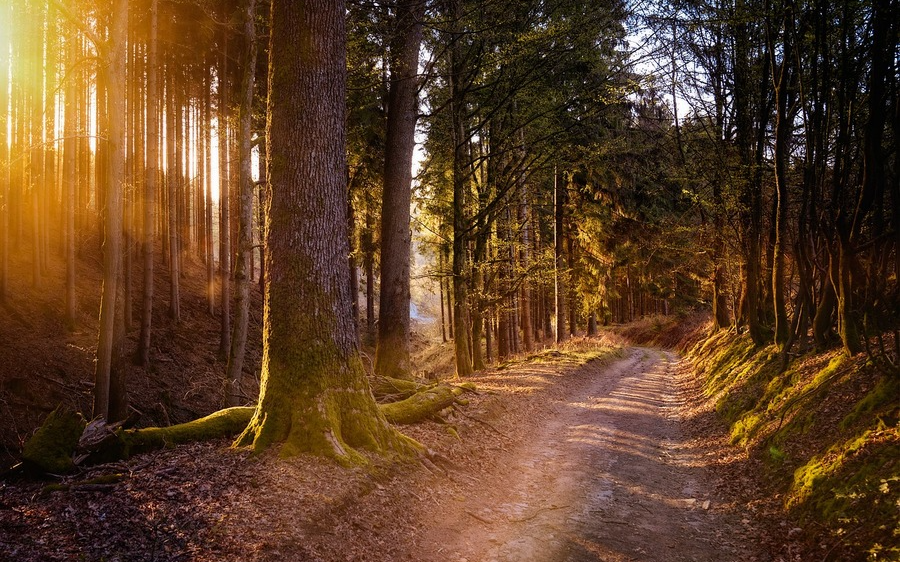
(826, 428)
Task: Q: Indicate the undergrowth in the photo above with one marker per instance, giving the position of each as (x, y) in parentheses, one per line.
(826, 427)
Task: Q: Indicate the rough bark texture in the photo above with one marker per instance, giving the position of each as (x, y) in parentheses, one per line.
(314, 396)
(392, 349)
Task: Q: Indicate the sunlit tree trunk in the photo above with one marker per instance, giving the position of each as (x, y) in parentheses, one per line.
(5, 163)
(173, 180)
(70, 155)
(210, 241)
(109, 377)
(524, 259)
(224, 211)
(783, 82)
(151, 175)
(314, 396)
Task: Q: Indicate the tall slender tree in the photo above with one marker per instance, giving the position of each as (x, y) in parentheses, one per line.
(392, 349)
(243, 265)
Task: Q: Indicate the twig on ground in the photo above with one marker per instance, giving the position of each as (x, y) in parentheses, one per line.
(473, 418)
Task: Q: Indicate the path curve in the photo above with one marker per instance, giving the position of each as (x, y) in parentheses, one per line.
(609, 477)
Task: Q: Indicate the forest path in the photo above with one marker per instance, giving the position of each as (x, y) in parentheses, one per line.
(609, 477)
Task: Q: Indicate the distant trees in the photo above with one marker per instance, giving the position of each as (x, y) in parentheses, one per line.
(515, 92)
(794, 102)
(562, 187)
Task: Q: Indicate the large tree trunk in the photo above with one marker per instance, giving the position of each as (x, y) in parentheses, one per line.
(109, 389)
(243, 265)
(392, 348)
(314, 395)
(750, 192)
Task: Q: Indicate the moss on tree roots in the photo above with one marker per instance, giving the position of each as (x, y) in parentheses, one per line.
(339, 423)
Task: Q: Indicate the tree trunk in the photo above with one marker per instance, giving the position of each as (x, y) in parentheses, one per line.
(109, 389)
(210, 242)
(460, 141)
(525, 259)
(224, 212)
(783, 82)
(150, 185)
(314, 395)
(560, 273)
(172, 191)
(245, 230)
(4, 161)
(69, 179)
(392, 348)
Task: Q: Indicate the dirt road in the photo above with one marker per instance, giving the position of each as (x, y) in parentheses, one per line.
(609, 477)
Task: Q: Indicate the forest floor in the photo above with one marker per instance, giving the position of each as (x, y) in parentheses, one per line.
(555, 459)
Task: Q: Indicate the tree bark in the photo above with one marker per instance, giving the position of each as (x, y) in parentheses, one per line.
(782, 80)
(460, 141)
(151, 174)
(109, 390)
(4, 162)
(224, 211)
(559, 271)
(69, 179)
(314, 394)
(392, 348)
(173, 180)
(243, 265)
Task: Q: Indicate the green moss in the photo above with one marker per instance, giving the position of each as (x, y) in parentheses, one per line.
(329, 415)
(222, 423)
(745, 428)
(882, 400)
(808, 476)
(846, 485)
(422, 405)
(776, 455)
(50, 449)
